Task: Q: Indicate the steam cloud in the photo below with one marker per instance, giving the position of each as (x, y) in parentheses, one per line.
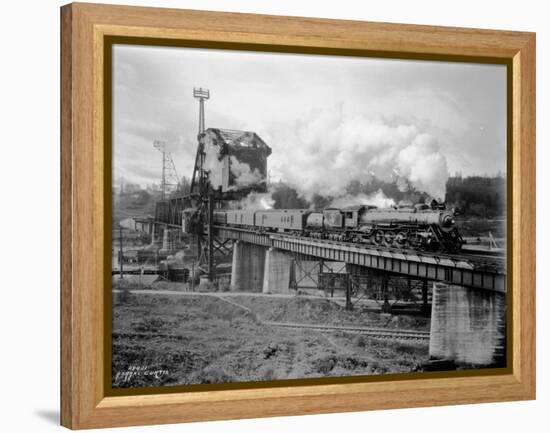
(244, 176)
(327, 150)
(256, 201)
(213, 162)
(377, 198)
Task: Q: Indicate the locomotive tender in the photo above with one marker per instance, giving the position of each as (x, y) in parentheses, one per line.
(419, 227)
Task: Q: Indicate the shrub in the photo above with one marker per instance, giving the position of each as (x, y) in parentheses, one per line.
(360, 341)
(206, 286)
(212, 375)
(224, 287)
(268, 374)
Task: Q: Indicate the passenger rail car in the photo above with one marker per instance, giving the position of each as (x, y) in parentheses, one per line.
(283, 220)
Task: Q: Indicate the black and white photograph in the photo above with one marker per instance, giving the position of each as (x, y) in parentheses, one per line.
(283, 216)
(275, 216)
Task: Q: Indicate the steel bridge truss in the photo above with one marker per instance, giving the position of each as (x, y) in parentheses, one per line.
(357, 283)
(416, 266)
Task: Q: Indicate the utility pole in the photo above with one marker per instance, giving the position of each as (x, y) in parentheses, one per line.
(193, 276)
(210, 218)
(120, 253)
(349, 305)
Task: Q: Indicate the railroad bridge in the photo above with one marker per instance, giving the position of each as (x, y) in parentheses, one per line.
(468, 311)
(462, 270)
(468, 291)
(468, 308)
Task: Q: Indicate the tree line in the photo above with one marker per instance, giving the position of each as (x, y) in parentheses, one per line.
(479, 196)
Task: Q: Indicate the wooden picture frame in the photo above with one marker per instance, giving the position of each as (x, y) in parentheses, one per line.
(84, 29)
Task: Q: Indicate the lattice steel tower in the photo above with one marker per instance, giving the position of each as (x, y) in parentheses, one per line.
(170, 179)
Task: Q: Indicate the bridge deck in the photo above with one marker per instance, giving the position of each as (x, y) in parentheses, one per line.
(449, 269)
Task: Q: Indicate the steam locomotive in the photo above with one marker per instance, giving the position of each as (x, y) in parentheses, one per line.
(420, 227)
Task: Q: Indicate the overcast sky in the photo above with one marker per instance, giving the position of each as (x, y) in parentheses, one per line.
(316, 112)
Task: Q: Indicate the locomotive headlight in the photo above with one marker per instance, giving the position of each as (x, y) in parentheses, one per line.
(447, 221)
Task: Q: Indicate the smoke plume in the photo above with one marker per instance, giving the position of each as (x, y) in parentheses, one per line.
(244, 175)
(255, 201)
(326, 150)
(213, 161)
(377, 198)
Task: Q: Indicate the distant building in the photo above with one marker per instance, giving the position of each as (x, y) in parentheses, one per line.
(128, 223)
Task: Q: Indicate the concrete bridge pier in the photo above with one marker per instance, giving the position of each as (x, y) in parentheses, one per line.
(277, 271)
(156, 240)
(468, 326)
(167, 244)
(247, 267)
(153, 235)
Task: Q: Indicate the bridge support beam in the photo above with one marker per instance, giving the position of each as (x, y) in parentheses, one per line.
(277, 271)
(153, 235)
(425, 309)
(468, 326)
(247, 268)
(156, 240)
(168, 242)
(166, 245)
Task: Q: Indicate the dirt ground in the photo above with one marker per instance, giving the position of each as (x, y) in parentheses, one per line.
(161, 339)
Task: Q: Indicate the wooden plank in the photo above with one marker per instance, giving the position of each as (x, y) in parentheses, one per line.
(68, 395)
(521, 254)
(259, 29)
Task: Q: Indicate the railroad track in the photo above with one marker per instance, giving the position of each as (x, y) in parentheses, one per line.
(380, 333)
(383, 333)
(472, 256)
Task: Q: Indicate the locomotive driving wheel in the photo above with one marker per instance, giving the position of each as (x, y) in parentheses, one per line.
(377, 237)
(401, 239)
(389, 238)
